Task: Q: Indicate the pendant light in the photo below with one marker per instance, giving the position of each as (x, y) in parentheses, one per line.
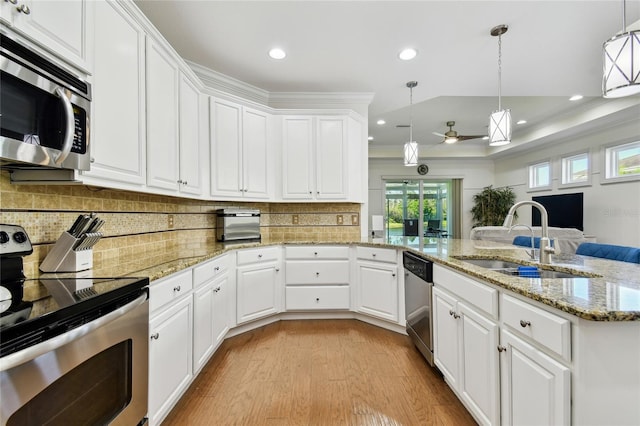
(500, 120)
(621, 62)
(411, 147)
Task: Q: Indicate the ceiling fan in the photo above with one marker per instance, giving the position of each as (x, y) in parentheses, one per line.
(452, 136)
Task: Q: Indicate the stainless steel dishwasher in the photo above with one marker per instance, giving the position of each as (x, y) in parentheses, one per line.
(418, 283)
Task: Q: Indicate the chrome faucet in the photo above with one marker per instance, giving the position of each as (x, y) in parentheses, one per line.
(545, 244)
(531, 254)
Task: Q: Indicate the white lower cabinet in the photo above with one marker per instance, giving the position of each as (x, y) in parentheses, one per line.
(378, 290)
(210, 319)
(536, 390)
(465, 350)
(170, 359)
(258, 284)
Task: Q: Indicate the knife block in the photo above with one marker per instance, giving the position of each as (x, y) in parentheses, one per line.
(62, 257)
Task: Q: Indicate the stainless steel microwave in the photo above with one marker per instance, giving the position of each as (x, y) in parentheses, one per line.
(44, 111)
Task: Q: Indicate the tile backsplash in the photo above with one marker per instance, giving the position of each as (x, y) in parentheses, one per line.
(137, 222)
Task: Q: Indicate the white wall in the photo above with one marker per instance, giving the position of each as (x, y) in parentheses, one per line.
(475, 175)
(611, 211)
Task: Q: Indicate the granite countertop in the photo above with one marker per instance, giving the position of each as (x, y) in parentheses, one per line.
(610, 290)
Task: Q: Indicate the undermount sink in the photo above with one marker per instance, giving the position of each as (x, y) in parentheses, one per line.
(519, 270)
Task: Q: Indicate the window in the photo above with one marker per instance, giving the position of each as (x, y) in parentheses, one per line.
(576, 170)
(622, 162)
(540, 176)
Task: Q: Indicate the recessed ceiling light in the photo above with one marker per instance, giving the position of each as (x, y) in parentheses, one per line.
(381, 122)
(575, 97)
(521, 122)
(370, 138)
(277, 53)
(407, 54)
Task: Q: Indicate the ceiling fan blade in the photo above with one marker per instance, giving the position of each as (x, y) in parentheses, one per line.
(467, 137)
(438, 134)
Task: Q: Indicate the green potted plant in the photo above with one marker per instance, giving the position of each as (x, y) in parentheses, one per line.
(491, 205)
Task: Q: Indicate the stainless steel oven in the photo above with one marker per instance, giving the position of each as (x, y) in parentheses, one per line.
(73, 351)
(44, 111)
(418, 285)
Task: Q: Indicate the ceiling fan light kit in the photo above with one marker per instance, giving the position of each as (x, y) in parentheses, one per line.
(621, 62)
(411, 147)
(500, 120)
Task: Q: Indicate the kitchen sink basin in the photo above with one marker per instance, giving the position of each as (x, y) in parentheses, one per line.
(519, 270)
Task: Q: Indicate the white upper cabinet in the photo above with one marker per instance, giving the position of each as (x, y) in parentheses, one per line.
(162, 118)
(61, 27)
(118, 145)
(316, 152)
(239, 151)
(190, 181)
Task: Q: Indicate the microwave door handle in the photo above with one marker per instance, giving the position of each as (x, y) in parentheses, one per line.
(71, 127)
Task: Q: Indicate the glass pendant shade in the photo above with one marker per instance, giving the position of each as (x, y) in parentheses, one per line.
(500, 128)
(411, 153)
(621, 74)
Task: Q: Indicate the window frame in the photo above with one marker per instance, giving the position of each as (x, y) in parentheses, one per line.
(610, 163)
(532, 168)
(565, 173)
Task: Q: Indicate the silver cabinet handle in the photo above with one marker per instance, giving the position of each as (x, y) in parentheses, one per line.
(24, 9)
(453, 314)
(259, 256)
(501, 348)
(217, 289)
(180, 181)
(155, 336)
(70, 119)
(176, 288)
(524, 323)
(217, 268)
(12, 1)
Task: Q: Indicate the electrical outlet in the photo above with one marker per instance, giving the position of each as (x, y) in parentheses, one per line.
(354, 219)
(339, 219)
(295, 219)
(170, 223)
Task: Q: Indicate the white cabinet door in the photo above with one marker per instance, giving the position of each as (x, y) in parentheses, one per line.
(446, 345)
(297, 149)
(258, 292)
(162, 118)
(59, 26)
(480, 377)
(378, 290)
(190, 152)
(203, 320)
(535, 388)
(226, 148)
(255, 155)
(118, 145)
(170, 360)
(331, 158)
(221, 288)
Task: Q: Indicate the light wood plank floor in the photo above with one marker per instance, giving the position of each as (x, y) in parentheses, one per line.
(318, 372)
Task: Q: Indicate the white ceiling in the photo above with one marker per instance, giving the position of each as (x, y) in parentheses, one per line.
(552, 50)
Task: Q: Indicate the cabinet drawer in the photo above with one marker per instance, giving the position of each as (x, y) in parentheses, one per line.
(210, 269)
(479, 294)
(317, 252)
(167, 289)
(317, 272)
(317, 297)
(377, 254)
(545, 328)
(263, 254)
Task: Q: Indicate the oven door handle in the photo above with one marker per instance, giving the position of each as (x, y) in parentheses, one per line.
(71, 127)
(32, 352)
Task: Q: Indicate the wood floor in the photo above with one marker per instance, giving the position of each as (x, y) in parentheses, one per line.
(318, 372)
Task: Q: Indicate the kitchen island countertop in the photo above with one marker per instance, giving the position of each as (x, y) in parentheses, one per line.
(610, 292)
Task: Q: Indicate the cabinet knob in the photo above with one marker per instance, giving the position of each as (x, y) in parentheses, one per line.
(217, 289)
(373, 254)
(217, 268)
(310, 192)
(155, 336)
(317, 274)
(176, 288)
(453, 314)
(315, 253)
(24, 9)
(185, 182)
(317, 299)
(501, 348)
(180, 181)
(259, 256)
(12, 1)
(393, 275)
(277, 269)
(524, 323)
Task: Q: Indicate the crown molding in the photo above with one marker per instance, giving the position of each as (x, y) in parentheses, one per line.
(318, 99)
(228, 85)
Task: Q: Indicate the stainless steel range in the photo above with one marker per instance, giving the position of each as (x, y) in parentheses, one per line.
(73, 351)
